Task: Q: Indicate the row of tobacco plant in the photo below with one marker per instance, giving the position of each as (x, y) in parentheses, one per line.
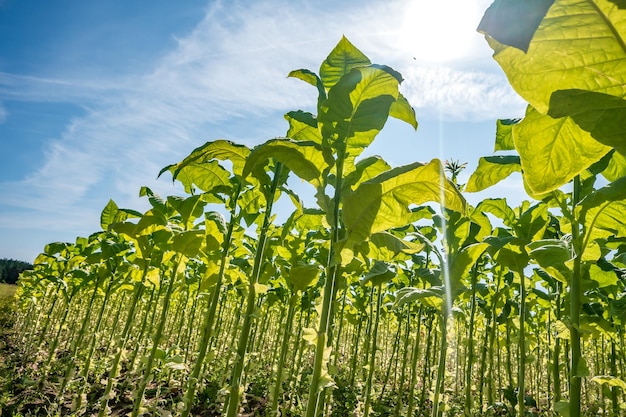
(393, 296)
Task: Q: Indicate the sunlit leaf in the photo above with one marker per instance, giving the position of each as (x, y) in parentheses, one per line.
(188, 243)
(601, 115)
(379, 273)
(222, 150)
(303, 127)
(504, 134)
(611, 381)
(602, 213)
(578, 45)
(340, 61)
(402, 110)
(499, 208)
(358, 106)
(308, 160)
(303, 276)
(432, 297)
(491, 170)
(384, 201)
(553, 151)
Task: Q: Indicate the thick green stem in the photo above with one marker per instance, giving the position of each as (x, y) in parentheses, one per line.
(104, 402)
(575, 311)
(614, 390)
(441, 367)
(315, 400)
(207, 326)
(235, 389)
(414, 358)
(556, 372)
(370, 373)
(521, 378)
(283, 354)
(92, 347)
(405, 356)
(156, 339)
(470, 345)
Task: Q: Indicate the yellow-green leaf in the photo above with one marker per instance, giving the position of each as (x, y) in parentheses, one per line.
(553, 151)
(384, 201)
(491, 170)
(611, 381)
(580, 44)
(340, 61)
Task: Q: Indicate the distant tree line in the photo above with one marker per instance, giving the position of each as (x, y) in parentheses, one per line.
(10, 270)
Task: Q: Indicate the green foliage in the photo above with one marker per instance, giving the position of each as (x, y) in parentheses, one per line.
(206, 304)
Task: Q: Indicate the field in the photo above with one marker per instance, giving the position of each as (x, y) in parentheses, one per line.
(392, 297)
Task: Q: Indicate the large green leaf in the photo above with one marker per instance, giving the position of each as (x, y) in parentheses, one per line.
(491, 170)
(358, 106)
(499, 208)
(552, 255)
(222, 150)
(188, 243)
(513, 255)
(308, 160)
(340, 61)
(514, 22)
(553, 151)
(384, 201)
(303, 276)
(602, 214)
(113, 214)
(190, 208)
(380, 273)
(303, 127)
(402, 110)
(532, 223)
(616, 167)
(311, 78)
(601, 115)
(364, 170)
(611, 381)
(580, 44)
(504, 134)
(396, 244)
(431, 297)
(462, 262)
(205, 176)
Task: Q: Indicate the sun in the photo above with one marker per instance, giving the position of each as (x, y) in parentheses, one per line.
(439, 30)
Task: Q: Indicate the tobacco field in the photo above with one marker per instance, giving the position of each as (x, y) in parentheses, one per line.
(392, 296)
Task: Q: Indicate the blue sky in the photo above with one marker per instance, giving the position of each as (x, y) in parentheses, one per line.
(97, 96)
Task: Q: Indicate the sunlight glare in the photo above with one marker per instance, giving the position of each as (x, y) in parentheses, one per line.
(439, 30)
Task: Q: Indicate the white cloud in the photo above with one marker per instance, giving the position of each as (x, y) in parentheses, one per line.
(437, 91)
(231, 69)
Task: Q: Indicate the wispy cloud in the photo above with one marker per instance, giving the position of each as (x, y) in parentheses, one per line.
(3, 113)
(451, 94)
(229, 71)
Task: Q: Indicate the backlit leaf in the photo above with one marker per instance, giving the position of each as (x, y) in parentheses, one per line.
(553, 151)
(491, 170)
(504, 134)
(580, 44)
(358, 106)
(402, 110)
(611, 381)
(303, 127)
(601, 115)
(384, 201)
(340, 61)
(308, 160)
